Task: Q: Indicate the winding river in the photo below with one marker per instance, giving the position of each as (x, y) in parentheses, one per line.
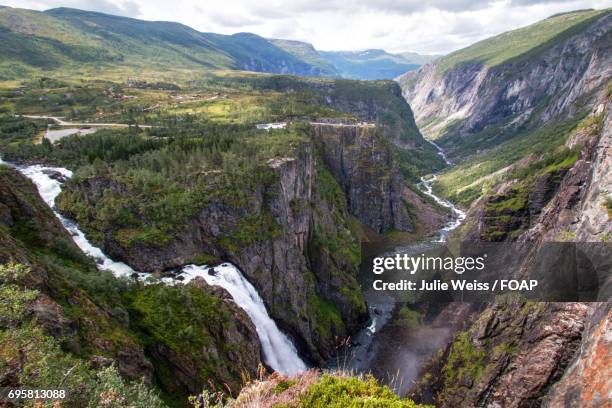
(279, 353)
(391, 354)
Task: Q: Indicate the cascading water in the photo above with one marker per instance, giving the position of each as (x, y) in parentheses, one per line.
(49, 188)
(369, 344)
(279, 353)
(459, 215)
(278, 350)
(426, 187)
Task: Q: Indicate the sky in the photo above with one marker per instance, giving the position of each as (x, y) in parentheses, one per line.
(426, 27)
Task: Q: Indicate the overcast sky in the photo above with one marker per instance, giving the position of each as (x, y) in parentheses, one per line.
(427, 27)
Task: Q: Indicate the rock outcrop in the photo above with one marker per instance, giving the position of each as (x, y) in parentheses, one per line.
(510, 356)
(541, 354)
(554, 80)
(363, 165)
(519, 354)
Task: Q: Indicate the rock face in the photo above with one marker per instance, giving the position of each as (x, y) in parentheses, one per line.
(548, 354)
(291, 235)
(510, 356)
(587, 381)
(26, 225)
(550, 82)
(363, 166)
(518, 354)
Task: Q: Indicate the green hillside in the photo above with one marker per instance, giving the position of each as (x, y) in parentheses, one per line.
(306, 52)
(71, 39)
(513, 44)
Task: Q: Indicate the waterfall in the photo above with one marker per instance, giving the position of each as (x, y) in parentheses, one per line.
(279, 352)
(49, 188)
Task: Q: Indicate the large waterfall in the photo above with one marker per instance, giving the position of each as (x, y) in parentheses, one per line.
(279, 353)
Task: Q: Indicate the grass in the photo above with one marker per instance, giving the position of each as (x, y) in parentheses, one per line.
(314, 389)
(468, 181)
(520, 43)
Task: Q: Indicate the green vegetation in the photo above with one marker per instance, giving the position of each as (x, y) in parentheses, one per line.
(31, 359)
(306, 52)
(464, 364)
(608, 205)
(543, 147)
(521, 43)
(77, 41)
(351, 392)
(407, 318)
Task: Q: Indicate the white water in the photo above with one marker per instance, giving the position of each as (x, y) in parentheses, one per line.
(279, 353)
(49, 189)
(426, 187)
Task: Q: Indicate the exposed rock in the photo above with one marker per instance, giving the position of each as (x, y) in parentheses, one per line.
(510, 356)
(470, 97)
(588, 380)
(362, 163)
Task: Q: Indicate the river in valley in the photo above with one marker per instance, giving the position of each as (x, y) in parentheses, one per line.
(279, 353)
(392, 353)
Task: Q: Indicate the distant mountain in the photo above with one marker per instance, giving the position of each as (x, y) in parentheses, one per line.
(372, 64)
(525, 76)
(306, 52)
(419, 59)
(78, 40)
(69, 38)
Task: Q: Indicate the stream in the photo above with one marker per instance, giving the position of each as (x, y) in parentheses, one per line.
(395, 355)
(372, 348)
(279, 353)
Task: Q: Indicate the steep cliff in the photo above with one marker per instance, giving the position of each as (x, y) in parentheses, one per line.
(537, 354)
(287, 229)
(527, 115)
(548, 71)
(363, 165)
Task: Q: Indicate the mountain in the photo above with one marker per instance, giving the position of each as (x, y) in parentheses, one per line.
(65, 38)
(525, 116)
(305, 51)
(416, 58)
(368, 64)
(530, 76)
(77, 41)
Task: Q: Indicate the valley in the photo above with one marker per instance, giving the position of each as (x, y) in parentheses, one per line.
(197, 232)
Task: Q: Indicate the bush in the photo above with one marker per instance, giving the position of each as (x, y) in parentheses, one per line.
(347, 392)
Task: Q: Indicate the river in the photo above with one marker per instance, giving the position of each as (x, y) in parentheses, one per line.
(279, 353)
(395, 354)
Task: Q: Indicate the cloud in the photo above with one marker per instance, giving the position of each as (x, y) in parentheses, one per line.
(435, 26)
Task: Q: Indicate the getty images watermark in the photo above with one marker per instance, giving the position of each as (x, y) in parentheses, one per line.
(481, 271)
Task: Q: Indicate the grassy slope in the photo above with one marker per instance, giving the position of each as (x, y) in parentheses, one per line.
(512, 44)
(469, 180)
(35, 42)
(306, 52)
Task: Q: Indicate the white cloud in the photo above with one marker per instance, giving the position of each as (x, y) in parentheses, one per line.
(437, 26)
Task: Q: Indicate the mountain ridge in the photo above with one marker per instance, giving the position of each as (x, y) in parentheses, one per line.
(77, 40)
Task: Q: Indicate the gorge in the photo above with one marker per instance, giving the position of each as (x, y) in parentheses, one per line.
(208, 243)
